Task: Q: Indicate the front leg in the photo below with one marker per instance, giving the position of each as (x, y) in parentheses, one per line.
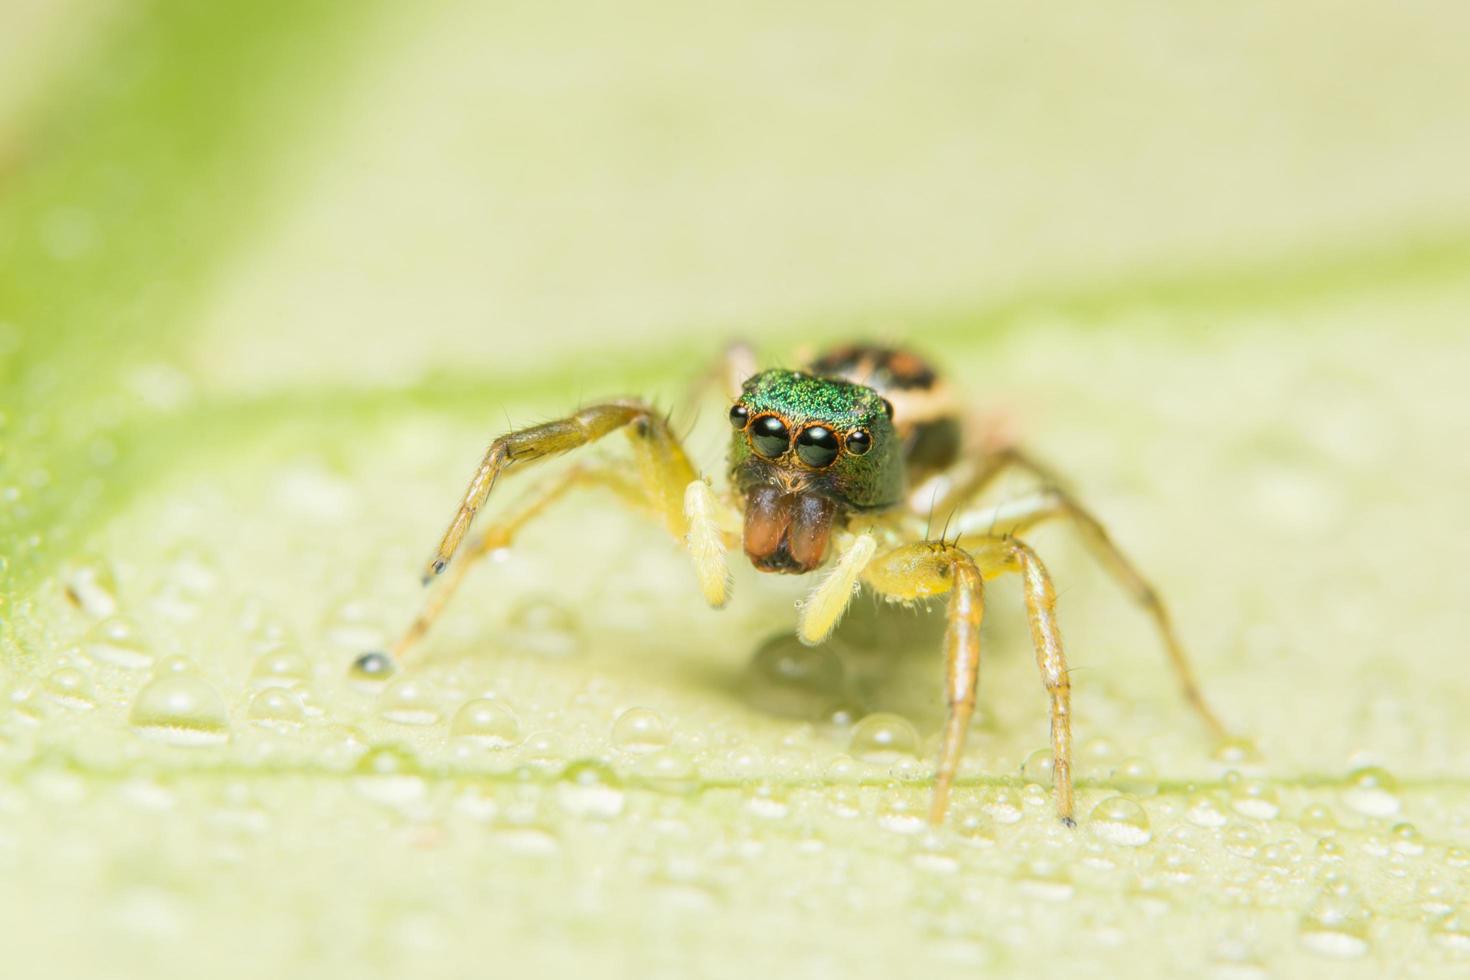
(662, 464)
(920, 571)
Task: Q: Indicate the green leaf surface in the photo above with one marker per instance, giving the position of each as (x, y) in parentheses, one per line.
(272, 274)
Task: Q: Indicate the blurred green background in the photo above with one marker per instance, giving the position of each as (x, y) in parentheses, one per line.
(272, 274)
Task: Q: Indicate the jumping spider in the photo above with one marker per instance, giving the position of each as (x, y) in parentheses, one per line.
(850, 458)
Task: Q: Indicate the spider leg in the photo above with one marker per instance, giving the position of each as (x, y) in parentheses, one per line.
(918, 571)
(821, 611)
(1055, 501)
(666, 488)
(501, 535)
(1046, 637)
(664, 469)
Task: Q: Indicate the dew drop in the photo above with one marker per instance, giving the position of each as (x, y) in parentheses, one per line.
(180, 707)
(1236, 751)
(1253, 798)
(901, 816)
(1206, 810)
(92, 587)
(973, 829)
(282, 667)
(884, 738)
(590, 789)
(1317, 819)
(1241, 840)
(117, 642)
(789, 679)
(640, 730)
(1453, 932)
(1046, 880)
(373, 667)
(389, 774)
(1039, 768)
(767, 802)
(1372, 792)
(1004, 806)
(1407, 839)
(669, 770)
(70, 687)
(1135, 777)
(1120, 820)
(1098, 749)
(486, 722)
(542, 626)
(408, 702)
(1336, 925)
(277, 707)
(527, 839)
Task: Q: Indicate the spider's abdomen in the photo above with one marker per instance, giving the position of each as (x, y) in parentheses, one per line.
(924, 413)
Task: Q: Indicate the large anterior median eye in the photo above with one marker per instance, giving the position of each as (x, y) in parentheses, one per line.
(817, 446)
(769, 436)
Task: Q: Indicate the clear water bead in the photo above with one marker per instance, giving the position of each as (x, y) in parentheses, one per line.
(118, 642)
(180, 707)
(70, 687)
(1119, 820)
(884, 738)
(640, 730)
(486, 722)
(277, 707)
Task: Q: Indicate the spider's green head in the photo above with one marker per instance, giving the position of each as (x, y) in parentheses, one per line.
(807, 450)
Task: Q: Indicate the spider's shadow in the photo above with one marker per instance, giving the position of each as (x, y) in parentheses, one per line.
(882, 658)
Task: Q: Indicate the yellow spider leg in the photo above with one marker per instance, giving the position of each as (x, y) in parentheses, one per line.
(919, 571)
(501, 535)
(1034, 510)
(823, 609)
(1046, 638)
(706, 542)
(662, 464)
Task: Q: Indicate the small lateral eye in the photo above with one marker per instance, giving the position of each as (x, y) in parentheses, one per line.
(739, 415)
(859, 441)
(769, 436)
(816, 446)
(888, 408)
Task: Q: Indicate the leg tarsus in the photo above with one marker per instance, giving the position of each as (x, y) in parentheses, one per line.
(1046, 637)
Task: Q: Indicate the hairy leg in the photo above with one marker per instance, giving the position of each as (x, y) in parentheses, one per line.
(664, 469)
(501, 535)
(821, 611)
(922, 570)
(1054, 501)
(1046, 638)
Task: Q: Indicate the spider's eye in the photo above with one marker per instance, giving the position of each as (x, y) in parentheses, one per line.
(888, 408)
(859, 441)
(769, 436)
(817, 446)
(739, 415)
